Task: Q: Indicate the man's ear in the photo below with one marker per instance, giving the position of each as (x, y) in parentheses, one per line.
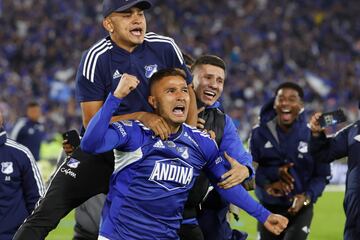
(152, 101)
(107, 24)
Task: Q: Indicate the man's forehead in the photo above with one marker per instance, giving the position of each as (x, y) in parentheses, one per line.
(288, 91)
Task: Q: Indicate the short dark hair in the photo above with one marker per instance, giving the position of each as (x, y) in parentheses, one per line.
(32, 104)
(165, 73)
(209, 59)
(290, 85)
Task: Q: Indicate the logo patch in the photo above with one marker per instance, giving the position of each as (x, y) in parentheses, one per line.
(184, 152)
(170, 143)
(268, 145)
(303, 147)
(159, 144)
(117, 74)
(172, 174)
(73, 163)
(150, 70)
(7, 167)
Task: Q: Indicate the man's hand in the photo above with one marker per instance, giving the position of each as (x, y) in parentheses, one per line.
(276, 223)
(285, 176)
(126, 84)
(298, 203)
(156, 123)
(315, 127)
(278, 189)
(236, 175)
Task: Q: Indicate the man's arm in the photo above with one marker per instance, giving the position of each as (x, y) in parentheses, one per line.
(238, 196)
(99, 136)
(32, 184)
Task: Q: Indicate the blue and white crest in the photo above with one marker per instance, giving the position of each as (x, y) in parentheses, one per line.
(7, 167)
(150, 70)
(73, 163)
(184, 152)
(303, 147)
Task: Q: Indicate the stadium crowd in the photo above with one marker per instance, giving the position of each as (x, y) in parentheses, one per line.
(313, 42)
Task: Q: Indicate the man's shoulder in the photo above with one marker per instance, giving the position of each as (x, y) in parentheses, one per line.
(160, 42)
(17, 148)
(201, 138)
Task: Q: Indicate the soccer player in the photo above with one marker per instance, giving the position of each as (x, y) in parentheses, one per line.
(208, 80)
(346, 143)
(288, 179)
(152, 177)
(127, 54)
(20, 184)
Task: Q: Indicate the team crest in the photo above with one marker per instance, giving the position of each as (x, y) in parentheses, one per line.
(303, 147)
(7, 167)
(184, 152)
(150, 70)
(73, 163)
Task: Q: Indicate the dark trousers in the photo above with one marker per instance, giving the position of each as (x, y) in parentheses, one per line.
(190, 232)
(71, 185)
(298, 227)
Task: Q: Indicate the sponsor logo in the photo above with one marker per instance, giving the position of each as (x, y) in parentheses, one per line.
(67, 171)
(73, 163)
(303, 147)
(268, 145)
(192, 140)
(159, 144)
(7, 167)
(120, 128)
(172, 174)
(150, 70)
(117, 74)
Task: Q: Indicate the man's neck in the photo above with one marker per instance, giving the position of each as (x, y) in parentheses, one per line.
(122, 45)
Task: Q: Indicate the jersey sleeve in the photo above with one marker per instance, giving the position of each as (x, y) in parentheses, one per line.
(101, 136)
(237, 195)
(32, 184)
(90, 80)
(232, 145)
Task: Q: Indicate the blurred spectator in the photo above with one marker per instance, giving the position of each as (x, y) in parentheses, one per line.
(20, 184)
(315, 42)
(29, 130)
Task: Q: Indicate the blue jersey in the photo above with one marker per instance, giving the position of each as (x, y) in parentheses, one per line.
(29, 134)
(152, 177)
(102, 66)
(20, 185)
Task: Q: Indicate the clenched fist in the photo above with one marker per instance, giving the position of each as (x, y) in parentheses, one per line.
(126, 84)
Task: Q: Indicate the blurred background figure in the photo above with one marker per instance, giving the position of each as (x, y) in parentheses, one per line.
(29, 130)
(346, 143)
(20, 184)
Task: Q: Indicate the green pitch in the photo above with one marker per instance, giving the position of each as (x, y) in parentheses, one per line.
(328, 222)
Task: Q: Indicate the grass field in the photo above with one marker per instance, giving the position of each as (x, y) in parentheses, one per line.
(328, 221)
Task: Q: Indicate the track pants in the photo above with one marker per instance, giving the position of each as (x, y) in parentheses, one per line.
(79, 177)
(298, 227)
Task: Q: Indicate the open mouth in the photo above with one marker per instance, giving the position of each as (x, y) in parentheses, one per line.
(210, 94)
(286, 114)
(179, 110)
(136, 31)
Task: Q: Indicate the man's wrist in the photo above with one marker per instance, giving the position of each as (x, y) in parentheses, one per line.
(307, 200)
